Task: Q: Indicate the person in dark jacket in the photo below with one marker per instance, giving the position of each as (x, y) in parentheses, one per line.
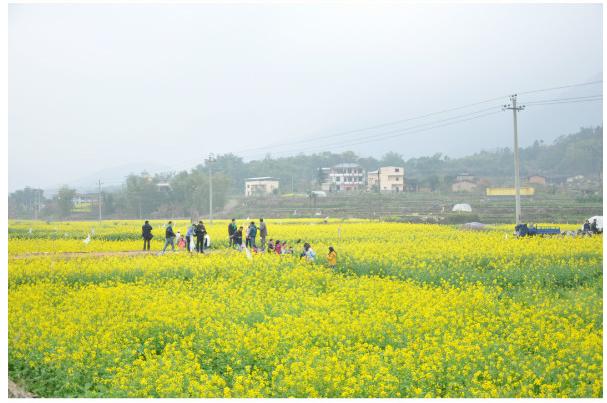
(169, 237)
(238, 238)
(594, 227)
(251, 234)
(200, 232)
(231, 230)
(586, 227)
(146, 233)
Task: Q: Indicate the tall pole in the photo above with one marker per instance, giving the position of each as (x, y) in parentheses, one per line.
(210, 160)
(517, 181)
(37, 201)
(99, 201)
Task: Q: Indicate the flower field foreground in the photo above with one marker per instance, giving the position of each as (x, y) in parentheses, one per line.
(409, 311)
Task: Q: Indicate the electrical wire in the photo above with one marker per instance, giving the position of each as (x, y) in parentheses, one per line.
(561, 87)
(561, 99)
(400, 130)
(567, 102)
(394, 122)
(399, 134)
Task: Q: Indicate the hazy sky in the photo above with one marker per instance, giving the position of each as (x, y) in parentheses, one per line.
(93, 87)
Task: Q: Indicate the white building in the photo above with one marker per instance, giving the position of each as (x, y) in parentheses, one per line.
(344, 177)
(261, 186)
(387, 179)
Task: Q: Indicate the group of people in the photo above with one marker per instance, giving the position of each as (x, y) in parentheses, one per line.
(197, 239)
(237, 234)
(591, 228)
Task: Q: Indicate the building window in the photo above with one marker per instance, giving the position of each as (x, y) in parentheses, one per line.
(397, 170)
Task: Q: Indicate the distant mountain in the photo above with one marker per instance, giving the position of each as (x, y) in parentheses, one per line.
(111, 178)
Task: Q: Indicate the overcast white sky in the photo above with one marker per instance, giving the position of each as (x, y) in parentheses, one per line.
(93, 87)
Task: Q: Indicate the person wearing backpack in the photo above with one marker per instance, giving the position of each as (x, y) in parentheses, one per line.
(146, 233)
(200, 232)
(231, 230)
(169, 237)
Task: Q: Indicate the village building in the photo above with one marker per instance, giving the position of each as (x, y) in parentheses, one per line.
(465, 176)
(387, 179)
(463, 186)
(261, 186)
(343, 177)
(537, 180)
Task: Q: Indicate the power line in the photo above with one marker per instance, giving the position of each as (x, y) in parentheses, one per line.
(566, 102)
(561, 87)
(401, 133)
(401, 130)
(394, 122)
(342, 133)
(563, 99)
(416, 117)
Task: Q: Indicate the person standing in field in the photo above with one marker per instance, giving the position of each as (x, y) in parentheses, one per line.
(238, 238)
(169, 237)
(251, 234)
(231, 230)
(146, 233)
(200, 233)
(594, 227)
(189, 236)
(263, 233)
(332, 257)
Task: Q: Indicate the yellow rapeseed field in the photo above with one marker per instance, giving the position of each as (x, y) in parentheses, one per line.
(410, 310)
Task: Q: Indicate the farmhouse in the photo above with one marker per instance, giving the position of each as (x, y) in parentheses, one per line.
(463, 186)
(537, 180)
(343, 177)
(261, 186)
(387, 179)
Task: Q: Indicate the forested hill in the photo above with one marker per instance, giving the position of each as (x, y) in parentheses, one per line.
(187, 192)
(575, 154)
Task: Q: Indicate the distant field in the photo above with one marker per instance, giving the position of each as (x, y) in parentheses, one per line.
(410, 310)
(561, 208)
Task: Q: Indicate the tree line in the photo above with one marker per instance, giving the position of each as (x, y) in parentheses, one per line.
(186, 193)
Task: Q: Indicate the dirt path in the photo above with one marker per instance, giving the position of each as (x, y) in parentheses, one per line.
(68, 255)
(15, 390)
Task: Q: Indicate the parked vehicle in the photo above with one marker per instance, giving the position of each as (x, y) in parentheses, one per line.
(531, 230)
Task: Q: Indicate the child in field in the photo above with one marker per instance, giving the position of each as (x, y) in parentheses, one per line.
(278, 247)
(286, 250)
(332, 257)
(238, 238)
(180, 241)
(308, 253)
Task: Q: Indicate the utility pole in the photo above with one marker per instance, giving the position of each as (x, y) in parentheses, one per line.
(99, 201)
(210, 160)
(37, 201)
(517, 183)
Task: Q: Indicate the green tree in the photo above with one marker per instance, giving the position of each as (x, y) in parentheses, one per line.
(65, 200)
